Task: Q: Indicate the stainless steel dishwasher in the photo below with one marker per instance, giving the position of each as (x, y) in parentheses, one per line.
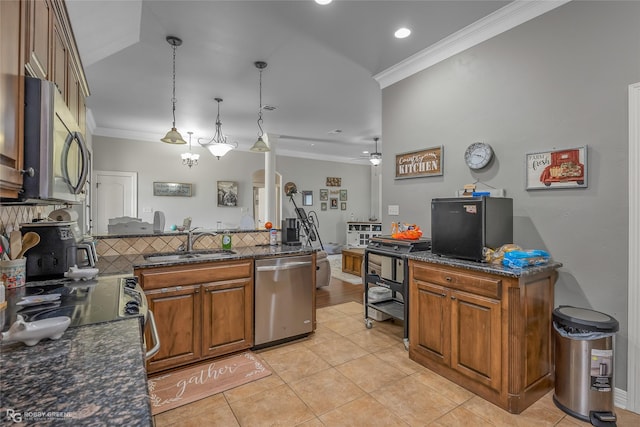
(283, 298)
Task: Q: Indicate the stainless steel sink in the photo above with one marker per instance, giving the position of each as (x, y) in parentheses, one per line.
(215, 254)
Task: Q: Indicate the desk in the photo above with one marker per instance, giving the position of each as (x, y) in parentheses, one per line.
(352, 261)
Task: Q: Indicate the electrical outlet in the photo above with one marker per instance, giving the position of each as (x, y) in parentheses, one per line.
(394, 210)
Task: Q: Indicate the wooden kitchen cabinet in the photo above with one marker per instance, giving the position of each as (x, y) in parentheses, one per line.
(38, 28)
(489, 333)
(12, 17)
(202, 310)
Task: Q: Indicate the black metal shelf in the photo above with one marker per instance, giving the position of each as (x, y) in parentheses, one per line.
(393, 308)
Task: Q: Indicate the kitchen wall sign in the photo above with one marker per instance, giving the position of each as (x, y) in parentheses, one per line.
(334, 182)
(565, 168)
(172, 189)
(227, 193)
(418, 164)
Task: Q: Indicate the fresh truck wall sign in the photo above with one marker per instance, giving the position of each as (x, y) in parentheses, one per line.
(416, 164)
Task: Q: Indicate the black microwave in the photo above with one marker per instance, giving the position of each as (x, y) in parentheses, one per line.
(462, 227)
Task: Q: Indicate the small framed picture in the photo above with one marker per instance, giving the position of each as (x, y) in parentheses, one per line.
(307, 198)
(227, 193)
(343, 195)
(323, 206)
(343, 206)
(324, 195)
(334, 203)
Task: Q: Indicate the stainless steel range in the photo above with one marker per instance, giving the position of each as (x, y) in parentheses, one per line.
(84, 302)
(389, 255)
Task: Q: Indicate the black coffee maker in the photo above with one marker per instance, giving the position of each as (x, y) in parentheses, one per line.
(60, 242)
(290, 232)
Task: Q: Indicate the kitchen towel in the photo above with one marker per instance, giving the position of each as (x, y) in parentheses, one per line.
(169, 391)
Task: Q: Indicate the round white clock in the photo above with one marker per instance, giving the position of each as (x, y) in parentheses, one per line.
(478, 155)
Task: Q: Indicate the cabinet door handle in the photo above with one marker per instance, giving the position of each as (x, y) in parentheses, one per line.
(197, 291)
(453, 297)
(448, 279)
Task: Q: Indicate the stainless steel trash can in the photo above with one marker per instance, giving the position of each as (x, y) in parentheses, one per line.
(584, 364)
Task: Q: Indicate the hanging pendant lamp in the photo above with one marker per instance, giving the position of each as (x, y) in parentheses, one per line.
(190, 159)
(375, 158)
(173, 136)
(218, 145)
(260, 146)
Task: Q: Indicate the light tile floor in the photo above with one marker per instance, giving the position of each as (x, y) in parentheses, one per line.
(347, 375)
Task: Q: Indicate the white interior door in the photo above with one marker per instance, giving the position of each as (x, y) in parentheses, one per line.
(115, 195)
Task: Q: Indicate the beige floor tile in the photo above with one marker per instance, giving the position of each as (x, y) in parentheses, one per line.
(326, 390)
(398, 357)
(328, 313)
(370, 372)
(178, 415)
(413, 401)
(569, 421)
(252, 388)
(350, 308)
(345, 325)
(277, 406)
(322, 333)
(337, 351)
(219, 417)
(447, 388)
(537, 415)
(295, 365)
(315, 422)
(460, 417)
(365, 411)
(394, 328)
(374, 341)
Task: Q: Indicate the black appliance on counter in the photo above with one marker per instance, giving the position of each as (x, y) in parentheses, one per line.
(392, 273)
(290, 232)
(60, 243)
(462, 227)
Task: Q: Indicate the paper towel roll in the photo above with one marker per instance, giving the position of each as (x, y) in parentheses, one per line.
(64, 215)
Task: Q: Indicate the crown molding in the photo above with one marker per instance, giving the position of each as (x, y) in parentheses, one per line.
(503, 19)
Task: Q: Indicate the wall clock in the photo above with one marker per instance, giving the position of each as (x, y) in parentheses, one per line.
(478, 155)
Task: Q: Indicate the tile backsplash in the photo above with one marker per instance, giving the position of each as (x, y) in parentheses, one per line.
(13, 215)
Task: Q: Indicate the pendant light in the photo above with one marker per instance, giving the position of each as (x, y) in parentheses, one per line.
(218, 145)
(375, 158)
(190, 159)
(260, 146)
(173, 136)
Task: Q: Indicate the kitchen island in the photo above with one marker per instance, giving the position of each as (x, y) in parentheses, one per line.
(486, 327)
(94, 375)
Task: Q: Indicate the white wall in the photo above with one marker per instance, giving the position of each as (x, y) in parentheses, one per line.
(558, 81)
(161, 162)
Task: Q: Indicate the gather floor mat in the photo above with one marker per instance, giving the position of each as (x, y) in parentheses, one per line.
(169, 391)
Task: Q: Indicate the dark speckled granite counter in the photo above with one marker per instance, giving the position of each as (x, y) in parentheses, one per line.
(501, 270)
(94, 375)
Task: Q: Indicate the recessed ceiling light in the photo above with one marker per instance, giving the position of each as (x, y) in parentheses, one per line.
(335, 131)
(365, 152)
(323, 2)
(402, 33)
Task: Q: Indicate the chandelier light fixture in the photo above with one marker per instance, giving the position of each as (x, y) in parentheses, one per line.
(375, 158)
(190, 159)
(218, 145)
(260, 146)
(173, 136)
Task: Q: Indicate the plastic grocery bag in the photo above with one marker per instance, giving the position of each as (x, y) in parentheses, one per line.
(526, 258)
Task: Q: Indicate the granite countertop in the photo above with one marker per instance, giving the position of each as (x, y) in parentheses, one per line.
(483, 267)
(173, 233)
(94, 375)
(241, 252)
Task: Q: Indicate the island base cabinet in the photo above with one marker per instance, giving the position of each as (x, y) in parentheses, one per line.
(177, 315)
(227, 320)
(202, 311)
(488, 333)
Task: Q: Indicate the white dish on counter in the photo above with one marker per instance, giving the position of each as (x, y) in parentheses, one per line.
(76, 273)
(31, 333)
(38, 299)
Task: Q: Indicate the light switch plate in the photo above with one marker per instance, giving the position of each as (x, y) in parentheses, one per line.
(394, 210)
(147, 210)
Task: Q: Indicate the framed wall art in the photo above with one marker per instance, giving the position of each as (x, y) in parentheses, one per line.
(343, 206)
(343, 195)
(334, 203)
(566, 168)
(307, 198)
(323, 206)
(227, 193)
(324, 195)
(334, 182)
(180, 189)
(418, 164)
